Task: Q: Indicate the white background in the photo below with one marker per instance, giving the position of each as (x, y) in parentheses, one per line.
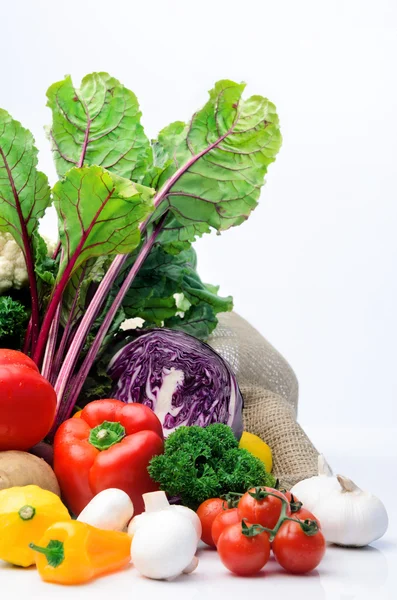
(315, 266)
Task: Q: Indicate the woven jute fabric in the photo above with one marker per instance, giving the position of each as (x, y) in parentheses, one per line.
(270, 390)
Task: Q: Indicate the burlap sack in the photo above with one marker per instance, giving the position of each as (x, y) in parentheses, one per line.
(270, 390)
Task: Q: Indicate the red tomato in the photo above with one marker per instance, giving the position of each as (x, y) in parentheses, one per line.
(289, 496)
(223, 520)
(265, 511)
(302, 514)
(296, 551)
(207, 512)
(27, 407)
(13, 357)
(294, 502)
(240, 554)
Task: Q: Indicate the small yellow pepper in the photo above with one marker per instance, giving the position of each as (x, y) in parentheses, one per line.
(25, 513)
(73, 552)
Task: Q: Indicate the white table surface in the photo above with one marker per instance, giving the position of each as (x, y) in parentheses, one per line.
(344, 574)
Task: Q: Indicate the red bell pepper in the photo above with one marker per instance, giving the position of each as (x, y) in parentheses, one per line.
(109, 446)
(27, 402)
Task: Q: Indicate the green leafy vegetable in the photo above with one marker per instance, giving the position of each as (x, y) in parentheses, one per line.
(205, 462)
(168, 285)
(45, 266)
(99, 214)
(125, 248)
(76, 295)
(98, 124)
(24, 191)
(24, 196)
(198, 320)
(217, 163)
(13, 320)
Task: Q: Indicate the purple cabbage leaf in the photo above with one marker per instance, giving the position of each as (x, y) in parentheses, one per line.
(183, 380)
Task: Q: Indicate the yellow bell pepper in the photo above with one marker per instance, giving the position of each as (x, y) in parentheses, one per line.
(73, 552)
(25, 513)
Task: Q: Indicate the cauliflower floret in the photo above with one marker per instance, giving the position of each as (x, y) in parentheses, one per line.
(50, 243)
(13, 272)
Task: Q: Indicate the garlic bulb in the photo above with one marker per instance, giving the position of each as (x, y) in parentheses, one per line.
(309, 491)
(349, 516)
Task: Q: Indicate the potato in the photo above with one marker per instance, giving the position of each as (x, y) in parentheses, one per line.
(21, 468)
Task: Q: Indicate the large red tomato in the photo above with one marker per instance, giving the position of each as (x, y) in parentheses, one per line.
(297, 551)
(243, 554)
(223, 520)
(207, 513)
(258, 507)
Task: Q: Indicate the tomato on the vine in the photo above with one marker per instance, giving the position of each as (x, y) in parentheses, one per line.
(290, 497)
(298, 511)
(303, 515)
(299, 546)
(207, 512)
(242, 550)
(223, 520)
(258, 507)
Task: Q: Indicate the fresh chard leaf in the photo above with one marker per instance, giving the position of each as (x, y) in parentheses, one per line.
(216, 164)
(24, 196)
(76, 295)
(24, 191)
(98, 124)
(99, 214)
(176, 237)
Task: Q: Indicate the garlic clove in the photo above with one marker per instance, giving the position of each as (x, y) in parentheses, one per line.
(347, 484)
(323, 466)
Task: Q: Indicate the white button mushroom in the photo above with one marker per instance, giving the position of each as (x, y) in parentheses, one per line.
(111, 509)
(164, 539)
(157, 501)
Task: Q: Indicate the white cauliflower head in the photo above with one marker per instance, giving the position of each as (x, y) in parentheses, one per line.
(13, 272)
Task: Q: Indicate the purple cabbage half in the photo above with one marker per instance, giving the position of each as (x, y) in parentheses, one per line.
(183, 380)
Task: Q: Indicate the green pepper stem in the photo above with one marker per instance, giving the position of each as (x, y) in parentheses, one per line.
(54, 552)
(106, 435)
